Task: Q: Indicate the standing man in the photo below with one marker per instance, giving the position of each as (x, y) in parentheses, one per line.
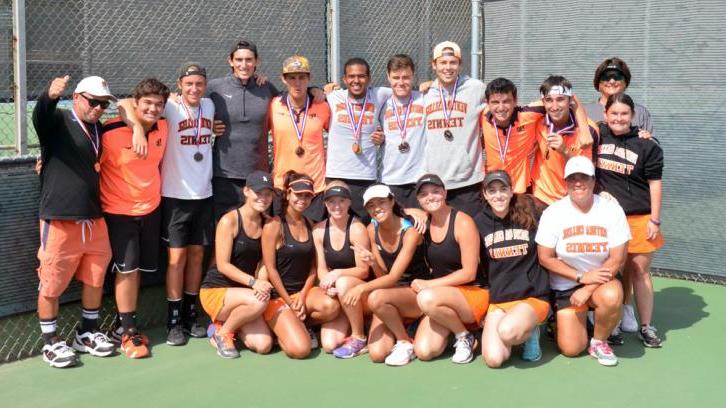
(403, 121)
(454, 103)
(557, 140)
(241, 104)
(297, 123)
(73, 234)
(130, 199)
(351, 155)
(187, 206)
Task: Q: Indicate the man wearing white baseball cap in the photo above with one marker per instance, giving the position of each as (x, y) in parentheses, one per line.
(73, 234)
(582, 241)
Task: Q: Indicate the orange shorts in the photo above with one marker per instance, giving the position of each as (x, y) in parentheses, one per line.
(541, 307)
(478, 300)
(640, 244)
(212, 300)
(71, 249)
(276, 306)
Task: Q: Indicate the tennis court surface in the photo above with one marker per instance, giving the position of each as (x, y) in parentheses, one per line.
(688, 371)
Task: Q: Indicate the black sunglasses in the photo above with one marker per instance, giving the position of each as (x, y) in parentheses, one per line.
(96, 102)
(606, 76)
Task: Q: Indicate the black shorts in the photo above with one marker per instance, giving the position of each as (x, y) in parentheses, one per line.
(560, 299)
(405, 195)
(187, 222)
(227, 195)
(315, 213)
(134, 241)
(357, 188)
(467, 199)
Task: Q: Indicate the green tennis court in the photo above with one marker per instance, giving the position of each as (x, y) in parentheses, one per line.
(688, 371)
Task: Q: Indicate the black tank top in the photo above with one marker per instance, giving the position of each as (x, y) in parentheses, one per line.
(443, 257)
(246, 255)
(417, 268)
(345, 258)
(294, 259)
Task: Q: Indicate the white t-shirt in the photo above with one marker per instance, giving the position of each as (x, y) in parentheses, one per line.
(581, 240)
(397, 167)
(341, 161)
(182, 176)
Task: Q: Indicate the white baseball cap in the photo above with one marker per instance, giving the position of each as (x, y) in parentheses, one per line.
(579, 164)
(439, 50)
(376, 191)
(95, 86)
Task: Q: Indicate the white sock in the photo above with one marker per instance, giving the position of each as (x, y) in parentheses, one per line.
(461, 335)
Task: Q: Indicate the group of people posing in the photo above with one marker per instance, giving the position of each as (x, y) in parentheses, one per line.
(420, 218)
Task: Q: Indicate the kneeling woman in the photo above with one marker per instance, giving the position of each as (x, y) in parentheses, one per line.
(339, 269)
(289, 257)
(230, 294)
(397, 258)
(582, 241)
(453, 300)
(518, 287)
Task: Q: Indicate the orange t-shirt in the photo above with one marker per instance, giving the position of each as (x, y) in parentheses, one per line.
(130, 185)
(285, 142)
(513, 154)
(548, 172)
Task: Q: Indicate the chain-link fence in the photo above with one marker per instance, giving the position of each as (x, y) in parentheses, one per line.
(127, 41)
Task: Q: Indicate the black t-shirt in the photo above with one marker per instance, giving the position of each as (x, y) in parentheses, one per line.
(624, 165)
(69, 182)
(509, 255)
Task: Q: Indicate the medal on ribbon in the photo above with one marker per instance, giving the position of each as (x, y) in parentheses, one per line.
(298, 130)
(95, 141)
(198, 156)
(404, 147)
(445, 108)
(502, 153)
(569, 129)
(357, 127)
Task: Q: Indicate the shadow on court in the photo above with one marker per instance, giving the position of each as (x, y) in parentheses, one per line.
(677, 308)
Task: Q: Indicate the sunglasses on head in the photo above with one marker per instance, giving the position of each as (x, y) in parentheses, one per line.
(96, 102)
(616, 75)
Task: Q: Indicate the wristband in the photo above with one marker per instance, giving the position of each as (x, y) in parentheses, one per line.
(252, 282)
(657, 223)
(579, 276)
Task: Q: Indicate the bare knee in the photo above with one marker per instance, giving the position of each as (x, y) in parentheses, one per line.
(298, 350)
(507, 332)
(377, 354)
(376, 300)
(425, 353)
(611, 298)
(329, 309)
(259, 344)
(569, 349)
(492, 360)
(426, 300)
(345, 282)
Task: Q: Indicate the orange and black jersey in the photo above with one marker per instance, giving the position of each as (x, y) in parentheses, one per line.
(624, 165)
(509, 256)
(511, 148)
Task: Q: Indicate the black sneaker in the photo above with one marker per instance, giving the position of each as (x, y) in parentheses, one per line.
(616, 338)
(195, 330)
(175, 336)
(649, 335)
(551, 327)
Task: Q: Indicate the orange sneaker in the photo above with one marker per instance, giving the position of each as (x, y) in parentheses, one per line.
(135, 346)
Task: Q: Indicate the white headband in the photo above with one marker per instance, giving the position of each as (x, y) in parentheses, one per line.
(558, 90)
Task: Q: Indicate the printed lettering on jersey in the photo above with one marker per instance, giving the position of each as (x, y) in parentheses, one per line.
(614, 166)
(586, 247)
(618, 151)
(510, 234)
(342, 113)
(193, 123)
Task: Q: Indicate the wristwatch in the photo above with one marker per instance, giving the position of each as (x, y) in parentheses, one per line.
(579, 276)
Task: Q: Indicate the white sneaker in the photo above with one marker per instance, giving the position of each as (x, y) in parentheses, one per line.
(629, 323)
(59, 355)
(401, 354)
(94, 343)
(464, 349)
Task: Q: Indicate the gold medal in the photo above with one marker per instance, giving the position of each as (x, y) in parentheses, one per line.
(356, 148)
(97, 167)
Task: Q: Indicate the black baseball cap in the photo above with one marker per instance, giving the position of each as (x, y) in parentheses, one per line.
(498, 175)
(192, 68)
(243, 45)
(303, 185)
(258, 181)
(429, 179)
(336, 191)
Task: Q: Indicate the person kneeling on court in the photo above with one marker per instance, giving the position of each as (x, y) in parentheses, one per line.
(231, 295)
(582, 241)
(518, 286)
(453, 301)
